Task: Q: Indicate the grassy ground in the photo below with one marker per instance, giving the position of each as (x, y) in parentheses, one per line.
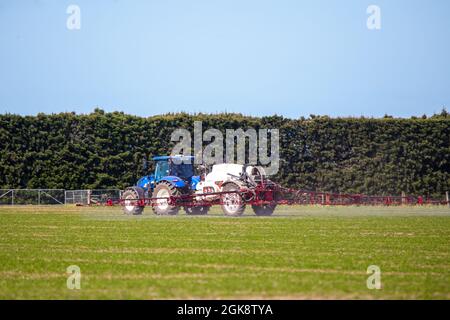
(300, 252)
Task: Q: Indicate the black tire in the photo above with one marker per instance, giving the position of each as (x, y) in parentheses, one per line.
(232, 203)
(268, 209)
(130, 206)
(199, 211)
(264, 210)
(162, 207)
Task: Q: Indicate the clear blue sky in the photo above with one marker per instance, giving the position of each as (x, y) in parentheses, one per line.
(256, 57)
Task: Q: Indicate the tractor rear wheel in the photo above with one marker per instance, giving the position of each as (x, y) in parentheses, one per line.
(202, 210)
(130, 201)
(264, 210)
(232, 203)
(165, 190)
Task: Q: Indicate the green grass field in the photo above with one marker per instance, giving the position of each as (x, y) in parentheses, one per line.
(299, 253)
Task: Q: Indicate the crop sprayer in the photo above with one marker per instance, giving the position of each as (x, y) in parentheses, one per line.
(174, 185)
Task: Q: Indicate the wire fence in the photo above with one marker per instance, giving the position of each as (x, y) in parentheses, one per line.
(56, 196)
(91, 197)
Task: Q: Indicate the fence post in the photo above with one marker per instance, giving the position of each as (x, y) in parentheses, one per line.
(403, 197)
(447, 198)
(39, 197)
(12, 197)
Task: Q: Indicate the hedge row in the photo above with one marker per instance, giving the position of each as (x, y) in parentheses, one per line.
(349, 155)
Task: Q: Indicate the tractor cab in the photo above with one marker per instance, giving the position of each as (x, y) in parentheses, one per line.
(174, 166)
(176, 170)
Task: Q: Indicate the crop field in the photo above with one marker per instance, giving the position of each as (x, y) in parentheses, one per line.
(298, 253)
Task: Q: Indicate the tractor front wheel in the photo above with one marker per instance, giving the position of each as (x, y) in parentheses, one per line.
(164, 191)
(131, 199)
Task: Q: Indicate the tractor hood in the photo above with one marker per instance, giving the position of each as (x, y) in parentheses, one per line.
(176, 181)
(145, 182)
(180, 183)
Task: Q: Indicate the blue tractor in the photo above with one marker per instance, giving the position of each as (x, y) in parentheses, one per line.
(173, 176)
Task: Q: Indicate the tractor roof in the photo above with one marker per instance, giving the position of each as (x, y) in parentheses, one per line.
(182, 157)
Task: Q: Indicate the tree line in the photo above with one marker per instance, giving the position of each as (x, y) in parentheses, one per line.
(375, 156)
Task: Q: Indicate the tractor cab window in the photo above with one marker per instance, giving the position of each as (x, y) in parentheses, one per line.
(162, 169)
(183, 170)
(168, 168)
